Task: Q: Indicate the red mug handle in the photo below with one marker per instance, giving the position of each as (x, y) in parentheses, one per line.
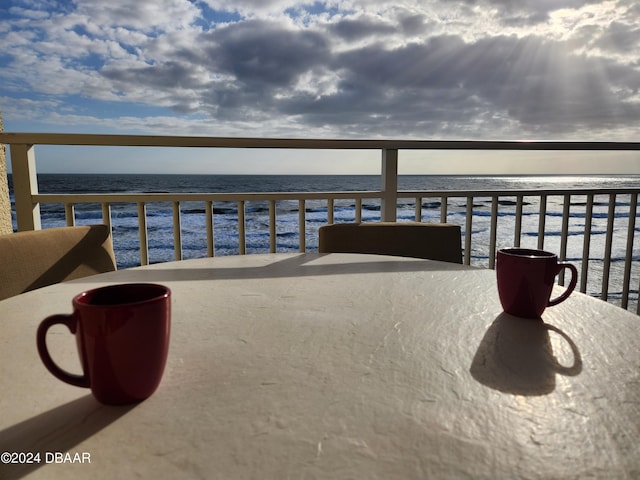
(71, 323)
(572, 284)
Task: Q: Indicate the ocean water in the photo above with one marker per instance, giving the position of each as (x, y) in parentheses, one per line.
(193, 226)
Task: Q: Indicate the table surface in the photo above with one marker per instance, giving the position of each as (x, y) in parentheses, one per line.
(335, 366)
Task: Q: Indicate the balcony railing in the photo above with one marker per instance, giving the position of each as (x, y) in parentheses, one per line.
(613, 268)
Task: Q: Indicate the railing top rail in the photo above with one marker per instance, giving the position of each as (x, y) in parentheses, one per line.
(302, 143)
(515, 192)
(259, 196)
(198, 197)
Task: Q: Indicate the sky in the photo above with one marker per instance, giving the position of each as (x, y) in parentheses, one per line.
(401, 69)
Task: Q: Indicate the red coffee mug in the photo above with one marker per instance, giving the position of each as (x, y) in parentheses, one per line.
(526, 278)
(122, 334)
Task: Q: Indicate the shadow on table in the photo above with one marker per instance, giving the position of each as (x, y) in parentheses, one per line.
(58, 430)
(516, 356)
(300, 265)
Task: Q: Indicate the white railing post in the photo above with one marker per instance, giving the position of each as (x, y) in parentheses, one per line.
(628, 258)
(389, 200)
(177, 232)
(242, 235)
(142, 232)
(586, 243)
(25, 185)
(302, 226)
(273, 233)
(106, 215)
(493, 235)
(210, 243)
(70, 214)
(468, 231)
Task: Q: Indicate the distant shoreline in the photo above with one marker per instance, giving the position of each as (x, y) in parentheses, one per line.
(456, 175)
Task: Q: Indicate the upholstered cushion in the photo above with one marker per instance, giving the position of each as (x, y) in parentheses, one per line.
(435, 241)
(34, 259)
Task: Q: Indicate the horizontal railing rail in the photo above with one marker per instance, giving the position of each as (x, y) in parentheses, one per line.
(81, 139)
(522, 215)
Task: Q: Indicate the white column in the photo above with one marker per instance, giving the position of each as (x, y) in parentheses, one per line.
(25, 185)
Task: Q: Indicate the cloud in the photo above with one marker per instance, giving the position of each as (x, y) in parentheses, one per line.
(455, 69)
(364, 27)
(264, 53)
(150, 17)
(619, 37)
(529, 13)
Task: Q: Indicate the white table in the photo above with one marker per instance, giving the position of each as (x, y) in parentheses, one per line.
(336, 366)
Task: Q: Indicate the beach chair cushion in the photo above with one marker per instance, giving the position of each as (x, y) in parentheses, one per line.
(33, 259)
(434, 241)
